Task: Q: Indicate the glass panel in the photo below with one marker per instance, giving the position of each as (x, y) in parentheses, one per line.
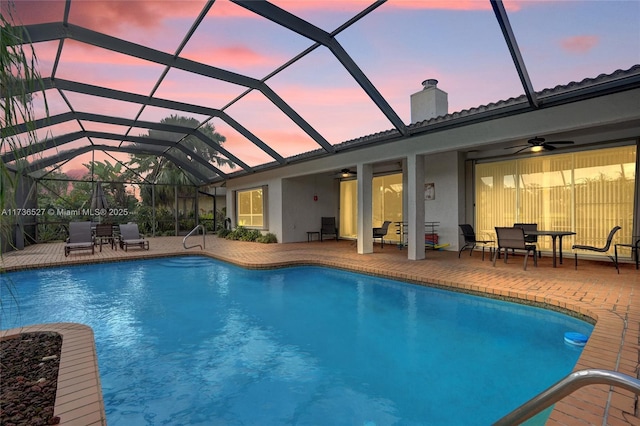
(586, 192)
(348, 209)
(387, 203)
(495, 197)
(250, 208)
(544, 192)
(604, 194)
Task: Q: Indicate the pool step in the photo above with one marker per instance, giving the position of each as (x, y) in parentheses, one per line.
(187, 261)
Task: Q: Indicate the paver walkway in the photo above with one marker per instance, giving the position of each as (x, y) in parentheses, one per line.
(595, 290)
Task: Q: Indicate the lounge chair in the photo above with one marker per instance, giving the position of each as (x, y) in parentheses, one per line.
(328, 227)
(603, 249)
(381, 232)
(513, 239)
(80, 238)
(130, 236)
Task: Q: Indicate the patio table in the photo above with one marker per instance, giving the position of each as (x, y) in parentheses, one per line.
(555, 235)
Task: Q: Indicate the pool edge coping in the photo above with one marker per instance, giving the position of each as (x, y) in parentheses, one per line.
(79, 397)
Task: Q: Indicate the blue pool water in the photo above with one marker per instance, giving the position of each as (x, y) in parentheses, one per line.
(193, 341)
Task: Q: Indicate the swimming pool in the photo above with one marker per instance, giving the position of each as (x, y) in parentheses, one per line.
(196, 341)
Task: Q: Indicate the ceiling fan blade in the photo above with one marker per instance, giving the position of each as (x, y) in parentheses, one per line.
(522, 149)
(559, 143)
(548, 147)
(518, 146)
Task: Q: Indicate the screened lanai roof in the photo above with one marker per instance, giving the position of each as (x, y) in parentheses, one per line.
(286, 81)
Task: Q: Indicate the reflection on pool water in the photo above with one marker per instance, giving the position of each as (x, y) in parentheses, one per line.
(195, 341)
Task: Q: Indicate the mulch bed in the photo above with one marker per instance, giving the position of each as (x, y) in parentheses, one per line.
(29, 366)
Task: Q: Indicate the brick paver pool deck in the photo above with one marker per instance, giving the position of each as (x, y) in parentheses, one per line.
(595, 291)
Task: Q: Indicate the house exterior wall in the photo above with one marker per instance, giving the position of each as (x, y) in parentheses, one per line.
(301, 213)
(292, 211)
(446, 171)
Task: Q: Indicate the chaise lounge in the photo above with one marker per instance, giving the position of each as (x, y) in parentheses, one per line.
(130, 236)
(80, 238)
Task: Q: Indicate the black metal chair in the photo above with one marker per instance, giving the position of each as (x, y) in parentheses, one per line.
(513, 239)
(635, 251)
(470, 240)
(529, 239)
(381, 232)
(329, 227)
(604, 249)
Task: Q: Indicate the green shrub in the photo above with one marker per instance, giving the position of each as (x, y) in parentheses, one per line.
(242, 234)
(237, 234)
(268, 238)
(222, 233)
(251, 235)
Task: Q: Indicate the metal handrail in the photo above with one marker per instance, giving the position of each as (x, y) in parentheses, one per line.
(184, 240)
(565, 387)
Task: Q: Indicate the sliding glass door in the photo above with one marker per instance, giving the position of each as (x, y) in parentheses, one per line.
(387, 205)
(587, 192)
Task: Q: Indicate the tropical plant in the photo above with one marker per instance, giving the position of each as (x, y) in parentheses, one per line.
(112, 177)
(19, 80)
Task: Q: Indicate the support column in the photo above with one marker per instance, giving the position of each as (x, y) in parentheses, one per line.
(365, 205)
(415, 207)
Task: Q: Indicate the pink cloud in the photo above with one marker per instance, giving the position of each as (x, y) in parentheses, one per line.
(31, 12)
(358, 5)
(579, 44)
(232, 56)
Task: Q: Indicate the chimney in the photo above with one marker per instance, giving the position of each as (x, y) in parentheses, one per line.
(428, 103)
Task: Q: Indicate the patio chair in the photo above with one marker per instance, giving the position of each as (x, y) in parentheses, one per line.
(130, 236)
(104, 234)
(80, 238)
(513, 239)
(328, 227)
(470, 240)
(529, 239)
(603, 249)
(381, 232)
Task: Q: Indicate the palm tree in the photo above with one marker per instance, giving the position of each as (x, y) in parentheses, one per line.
(164, 173)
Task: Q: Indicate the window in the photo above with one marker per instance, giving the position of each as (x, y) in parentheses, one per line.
(250, 208)
(587, 192)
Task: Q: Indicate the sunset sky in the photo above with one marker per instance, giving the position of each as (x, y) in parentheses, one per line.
(397, 46)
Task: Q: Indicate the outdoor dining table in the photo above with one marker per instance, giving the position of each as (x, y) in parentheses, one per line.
(555, 235)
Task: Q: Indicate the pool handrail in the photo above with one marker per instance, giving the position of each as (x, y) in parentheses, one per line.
(565, 387)
(184, 240)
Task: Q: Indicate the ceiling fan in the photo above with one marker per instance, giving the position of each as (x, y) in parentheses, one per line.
(346, 173)
(538, 144)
